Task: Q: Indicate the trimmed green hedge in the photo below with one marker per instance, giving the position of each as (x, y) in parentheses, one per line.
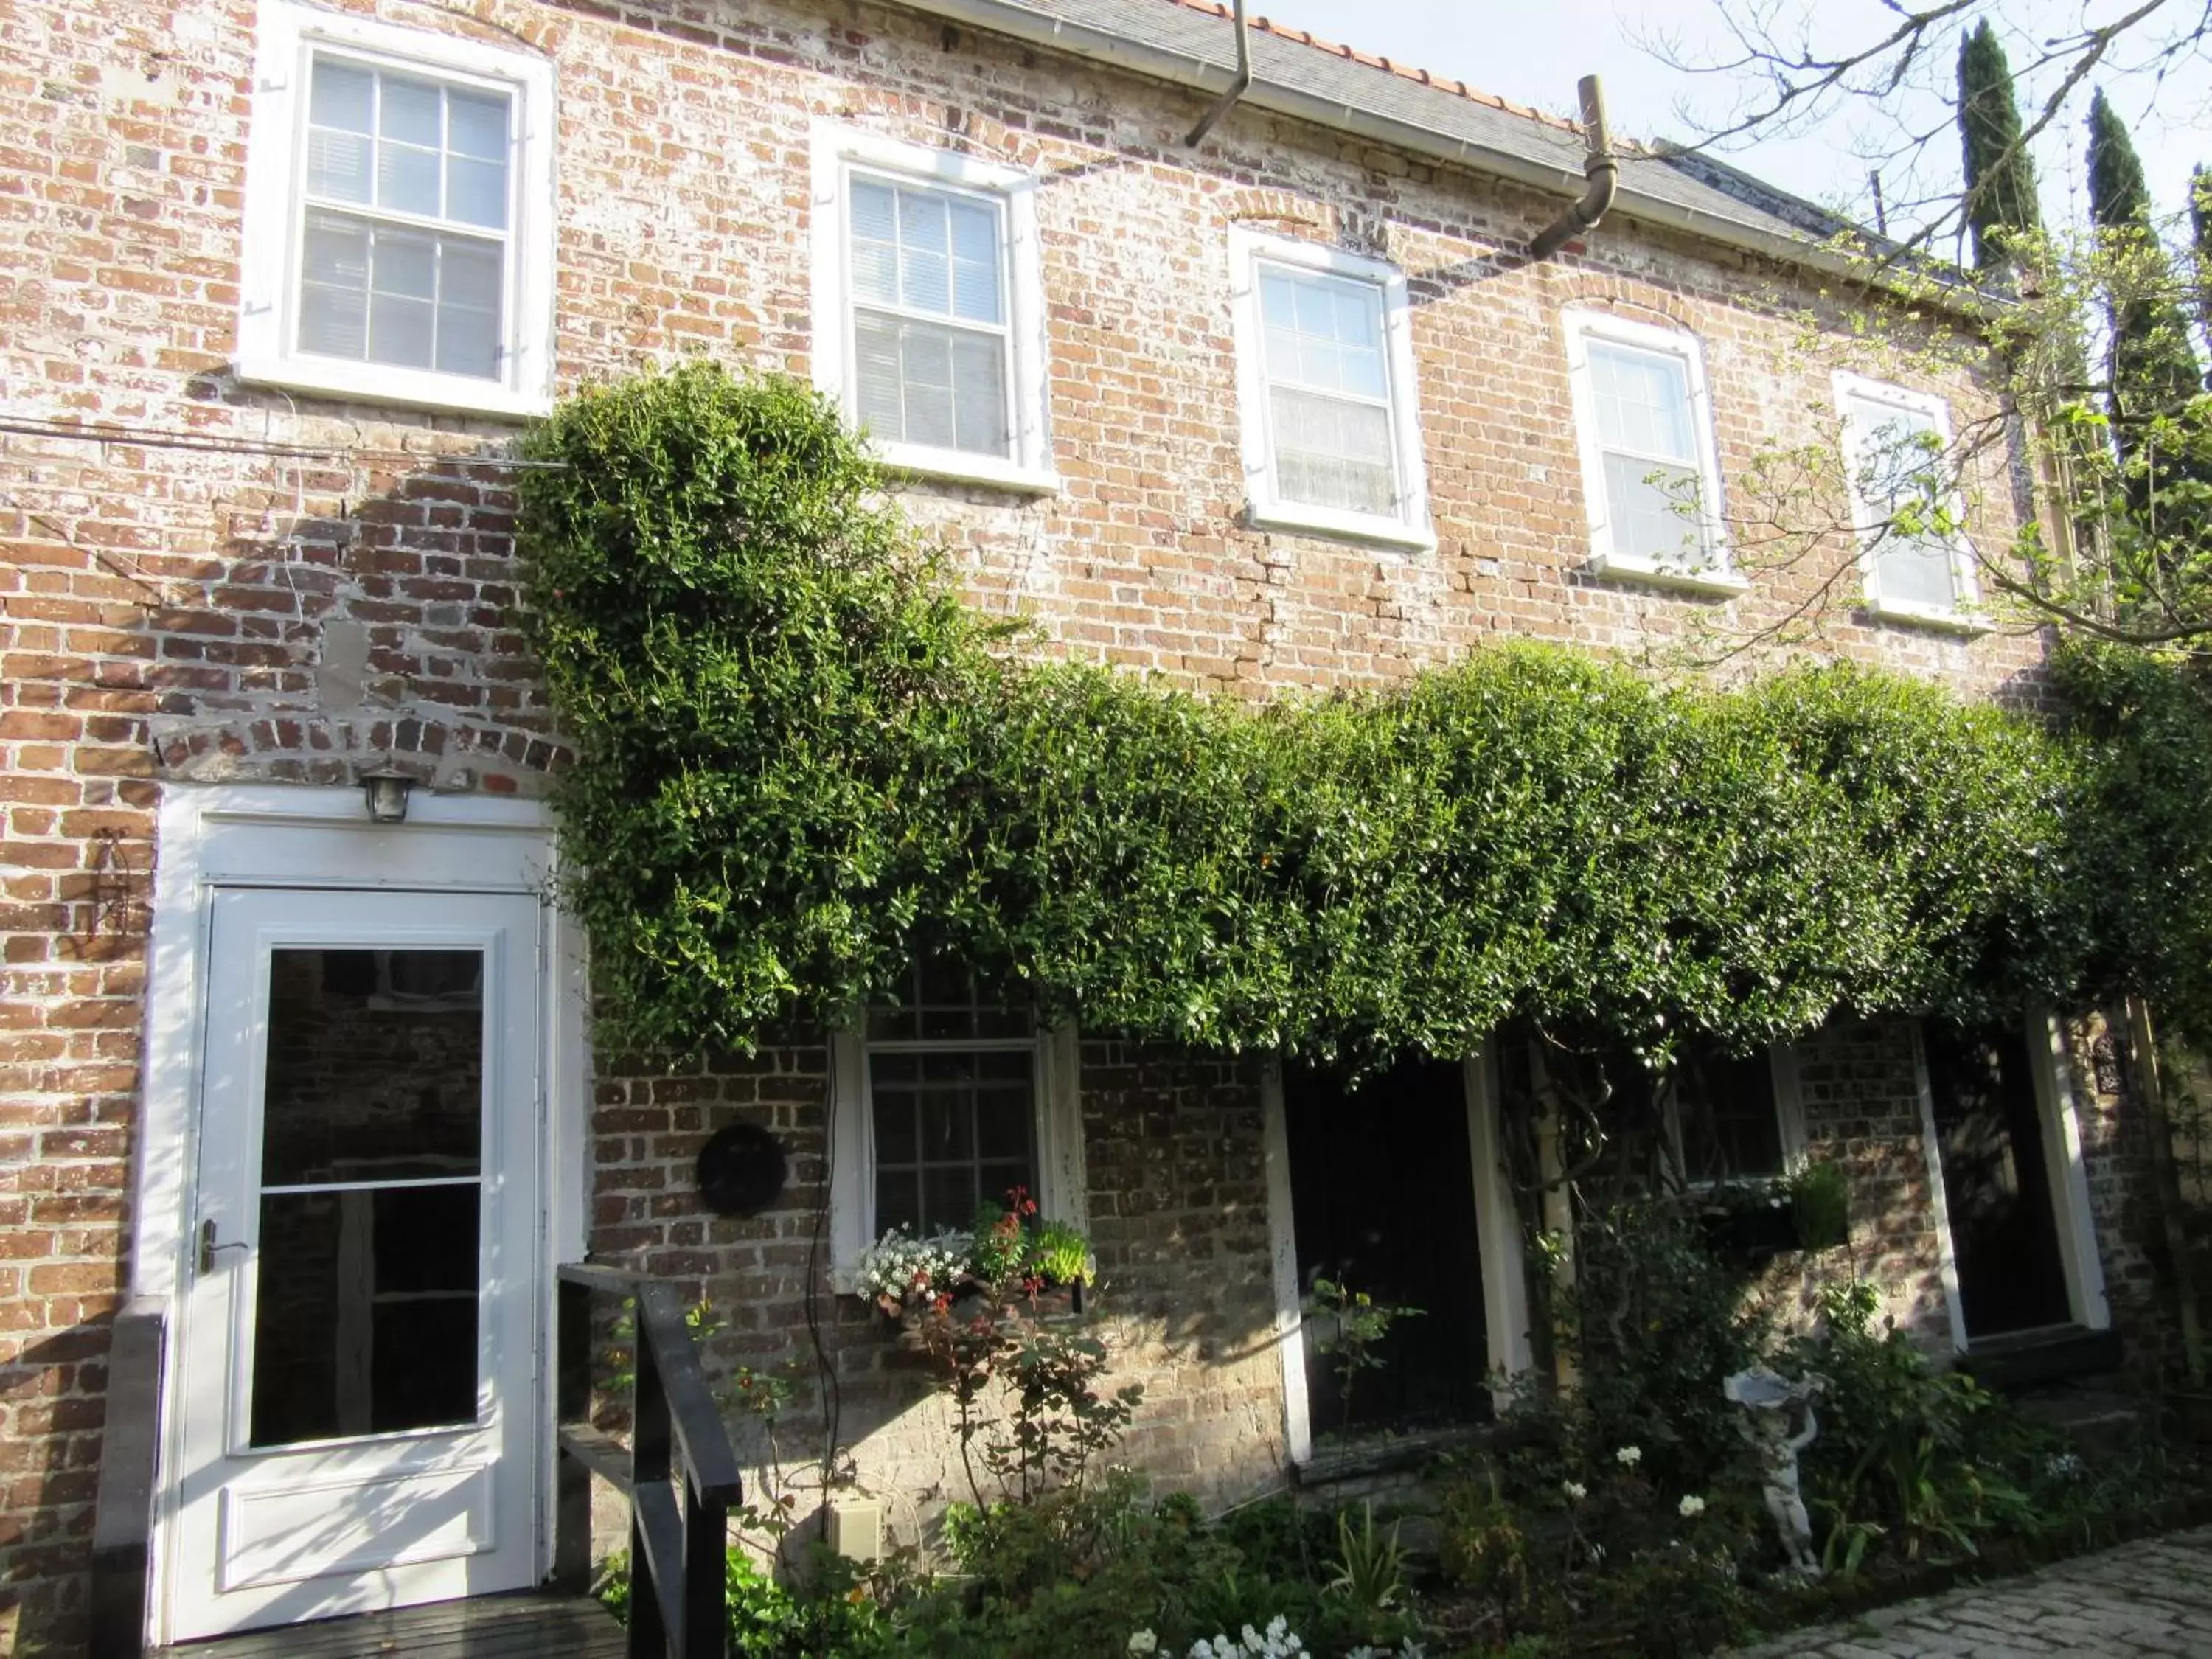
(800, 759)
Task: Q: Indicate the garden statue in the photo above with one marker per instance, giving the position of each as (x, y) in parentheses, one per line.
(1769, 1401)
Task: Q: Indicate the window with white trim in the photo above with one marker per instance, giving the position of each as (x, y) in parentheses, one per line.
(927, 307)
(1326, 392)
(945, 1104)
(1912, 551)
(1650, 467)
(1722, 1118)
(399, 216)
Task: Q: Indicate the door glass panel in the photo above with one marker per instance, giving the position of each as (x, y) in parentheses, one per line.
(366, 1312)
(365, 1319)
(375, 1066)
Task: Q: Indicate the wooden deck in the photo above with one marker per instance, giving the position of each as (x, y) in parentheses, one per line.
(527, 1626)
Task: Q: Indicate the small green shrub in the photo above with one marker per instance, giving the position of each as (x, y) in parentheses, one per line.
(1820, 1206)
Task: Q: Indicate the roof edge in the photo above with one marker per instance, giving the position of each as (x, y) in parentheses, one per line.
(1021, 22)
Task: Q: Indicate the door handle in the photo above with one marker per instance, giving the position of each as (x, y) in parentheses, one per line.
(209, 1246)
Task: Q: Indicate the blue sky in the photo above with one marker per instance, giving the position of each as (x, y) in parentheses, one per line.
(1533, 53)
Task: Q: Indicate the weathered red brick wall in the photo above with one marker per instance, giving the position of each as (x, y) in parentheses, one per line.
(1860, 1089)
(1178, 1198)
(252, 584)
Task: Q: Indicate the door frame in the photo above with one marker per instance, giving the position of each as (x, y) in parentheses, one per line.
(277, 835)
(2059, 1122)
(1497, 1230)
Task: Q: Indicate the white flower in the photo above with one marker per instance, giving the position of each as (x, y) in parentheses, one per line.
(1629, 1456)
(1278, 1641)
(1575, 1489)
(1691, 1505)
(1144, 1640)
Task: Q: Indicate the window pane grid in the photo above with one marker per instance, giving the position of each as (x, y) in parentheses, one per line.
(944, 1005)
(1915, 566)
(1651, 464)
(1330, 422)
(1642, 402)
(954, 1129)
(929, 316)
(406, 215)
(1724, 1117)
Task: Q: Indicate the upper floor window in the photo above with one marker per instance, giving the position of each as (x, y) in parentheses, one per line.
(1326, 389)
(1650, 469)
(928, 324)
(1913, 553)
(399, 216)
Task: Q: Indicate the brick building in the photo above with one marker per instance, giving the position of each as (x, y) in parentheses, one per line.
(1288, 408)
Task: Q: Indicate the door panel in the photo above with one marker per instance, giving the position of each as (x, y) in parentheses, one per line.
(1997, 1183)
(1383, 1203)
(357, 1381)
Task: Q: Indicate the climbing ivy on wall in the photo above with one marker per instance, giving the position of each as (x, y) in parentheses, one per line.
(800, 759)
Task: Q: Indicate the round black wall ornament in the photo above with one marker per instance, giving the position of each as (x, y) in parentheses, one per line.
(741, 1170)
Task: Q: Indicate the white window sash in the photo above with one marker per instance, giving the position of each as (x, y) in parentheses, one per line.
(1708, 568)
(1056, 1137)
(1869, 520)
(1266, 507)
(277, 202)
(841, 153)
(1789, 1124)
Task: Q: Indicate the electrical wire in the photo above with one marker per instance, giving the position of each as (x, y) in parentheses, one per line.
(181, 438)
(825, 1367)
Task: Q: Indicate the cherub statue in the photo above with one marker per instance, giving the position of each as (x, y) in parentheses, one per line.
(1770, 1401)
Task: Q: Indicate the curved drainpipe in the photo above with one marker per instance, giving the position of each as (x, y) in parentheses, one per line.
(1239, 84)
(1603, 172)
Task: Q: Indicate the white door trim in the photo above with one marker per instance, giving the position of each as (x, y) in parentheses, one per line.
(1938, 1202)
(1498, 1222)
(295, 836)
(1497, 1238)
(1283, 1249)
(2065, 1171)
(2068, 1173)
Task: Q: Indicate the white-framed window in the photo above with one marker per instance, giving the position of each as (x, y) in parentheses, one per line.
(398, 227)
(945, 1104)
(1329, 403)
(1914, 556)
(929, 308)
(1722, 1119)
(1732, 1118)
(1651, 472)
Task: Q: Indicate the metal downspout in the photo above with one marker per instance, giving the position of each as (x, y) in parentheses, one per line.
(1237, 87)
(1599, 166)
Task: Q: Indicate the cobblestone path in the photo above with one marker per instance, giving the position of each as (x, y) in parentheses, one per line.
(2153, 1596)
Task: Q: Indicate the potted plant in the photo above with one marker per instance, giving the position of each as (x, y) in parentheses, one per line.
(1009, 1264)
(1060, 1262)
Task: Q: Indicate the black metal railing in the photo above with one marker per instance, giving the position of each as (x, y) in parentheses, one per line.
(123, 1507)
(680, 1471)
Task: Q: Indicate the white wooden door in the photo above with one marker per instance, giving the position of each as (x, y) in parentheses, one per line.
(356, 1372)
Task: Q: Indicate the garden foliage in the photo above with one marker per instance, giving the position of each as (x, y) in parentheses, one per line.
(800, 759)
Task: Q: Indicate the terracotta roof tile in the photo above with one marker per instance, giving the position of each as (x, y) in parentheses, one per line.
(1442, 83)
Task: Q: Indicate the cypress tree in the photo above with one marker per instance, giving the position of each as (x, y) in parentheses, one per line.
(2000, 174)
(2153, 367)
(2200, 239)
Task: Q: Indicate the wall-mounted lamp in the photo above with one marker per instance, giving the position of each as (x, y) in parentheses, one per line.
(385, 791)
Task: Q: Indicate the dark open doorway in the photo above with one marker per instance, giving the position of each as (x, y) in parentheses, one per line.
(1382, 1201)
(1996, 1180)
